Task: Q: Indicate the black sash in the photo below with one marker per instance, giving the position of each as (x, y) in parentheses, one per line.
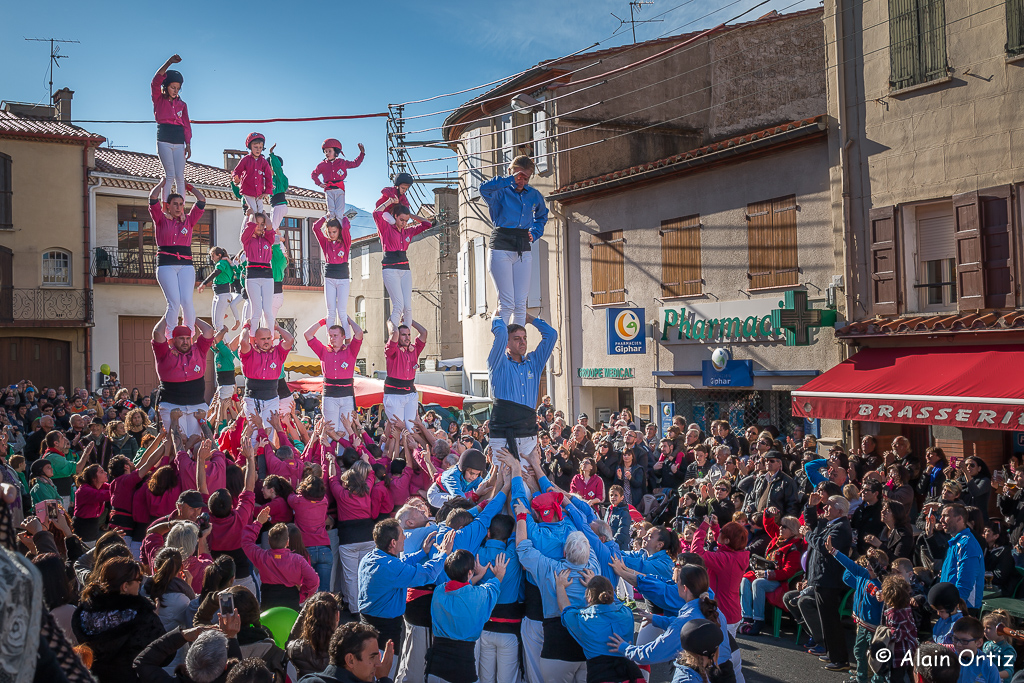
(258, 271)
(222, 289)
(515, 418)
(261, 389)
(278, 287)
(452, 660)
(87, 529)
(506, 618)
(612, 669)
(190, 393)
(395, 260)
(282, 389)
(277, 595)
(533, 605)
(174, 256)
(417, 610)
(559, 643)
(173, 133)
(389, 629)
(122, 519)
(278, 199)
(355, 531)
(336, 271)
(243, 567)
(510, 239)
(338, 388)
(399, 386)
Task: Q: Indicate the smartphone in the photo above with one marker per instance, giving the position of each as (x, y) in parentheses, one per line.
(51, 509)
(227, 604)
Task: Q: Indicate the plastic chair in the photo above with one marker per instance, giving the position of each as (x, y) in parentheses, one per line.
(845, 610)
(1020, 573)
(279, 621)
(777, 611)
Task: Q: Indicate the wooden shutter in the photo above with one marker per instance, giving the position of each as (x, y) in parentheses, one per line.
(606, 268)
(970, 280)
(932, 25)
(884, 265)
(1014, 27)
(759, 228)
(314, 245)
(6, 194)
(680, 257)
(772, 243)
(997, 248)
(903, 44)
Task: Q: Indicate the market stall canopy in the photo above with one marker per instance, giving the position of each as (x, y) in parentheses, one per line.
(370, 392)
(306, 365)
(961, 386)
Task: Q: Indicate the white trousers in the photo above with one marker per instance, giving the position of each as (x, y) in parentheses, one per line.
(261, 302)
(350, 554)
(278, 215)
(177, 282)
(335, 203)
(336, 296)
(225, 391)
(265, 409)
(532, 633)
(414, 655)
(333, 407)
(497, 657)
(524, 445)
(399, 285)
(221, 303)
(172, 156)
(255, 204)
(402, 406)
(188, 423)
(510, 273)
(278, 303)
(557, 671)
(284, 406)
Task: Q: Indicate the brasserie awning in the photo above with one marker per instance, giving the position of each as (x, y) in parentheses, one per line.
(961, 386)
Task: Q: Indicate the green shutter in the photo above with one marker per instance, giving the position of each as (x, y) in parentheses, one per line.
(1014, 27)
(917, 42)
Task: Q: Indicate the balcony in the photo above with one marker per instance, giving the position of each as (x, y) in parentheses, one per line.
(134, 266)
(304, 272)
(52, 307)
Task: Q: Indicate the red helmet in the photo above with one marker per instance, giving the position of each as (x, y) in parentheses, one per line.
(253, 137)
(332, 142)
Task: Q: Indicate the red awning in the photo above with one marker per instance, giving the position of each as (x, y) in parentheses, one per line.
(370, 392)
(962, 386)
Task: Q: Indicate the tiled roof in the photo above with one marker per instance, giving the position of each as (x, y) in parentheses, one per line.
(739, 140)
(933, 323)
(148, 166)
(13, 125)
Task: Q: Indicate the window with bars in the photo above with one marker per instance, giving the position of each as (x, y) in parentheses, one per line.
(917, 42)
(6, 194)
(680, 257)
(1014, 29)
(361, 366)
(57, 268)
(360, 316)
(771, 243)
(292, 233)
(287, 324)
(607, 266)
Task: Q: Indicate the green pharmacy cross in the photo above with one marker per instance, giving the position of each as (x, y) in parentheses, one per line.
(796, 317)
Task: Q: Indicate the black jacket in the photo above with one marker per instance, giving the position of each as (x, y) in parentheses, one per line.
(900, 543)
(334, 674)
(823, 570)
(867, 519)
(117, 628)
(150, 662)
(782, 494)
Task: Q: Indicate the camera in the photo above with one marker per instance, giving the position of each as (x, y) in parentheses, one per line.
(761, 563)
(203, 521)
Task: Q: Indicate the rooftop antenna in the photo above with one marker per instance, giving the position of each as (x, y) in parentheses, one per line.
(637, 6)
(54, 55)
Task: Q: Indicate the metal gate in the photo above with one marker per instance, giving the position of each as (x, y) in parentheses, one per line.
(741, 408)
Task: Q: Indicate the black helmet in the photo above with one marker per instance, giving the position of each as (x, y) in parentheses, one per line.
(172, 76)
(403, 179)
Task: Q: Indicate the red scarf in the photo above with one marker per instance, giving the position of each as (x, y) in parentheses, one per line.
(454, 586)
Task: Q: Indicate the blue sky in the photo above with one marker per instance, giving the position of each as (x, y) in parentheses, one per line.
(308, 59)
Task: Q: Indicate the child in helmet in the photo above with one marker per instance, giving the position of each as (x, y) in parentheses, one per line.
(253, 174)
(396, 194)
(330, 174)
(173, 128)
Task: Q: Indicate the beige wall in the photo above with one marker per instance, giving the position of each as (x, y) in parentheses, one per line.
(720, 196)
(48, 207)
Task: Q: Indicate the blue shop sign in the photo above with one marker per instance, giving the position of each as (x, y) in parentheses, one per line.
(736, 373)
(626, 331)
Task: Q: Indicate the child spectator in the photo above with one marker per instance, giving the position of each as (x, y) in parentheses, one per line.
(949, 606)
(899, 619)
(862, 577)
(995, 644)
(968, 635)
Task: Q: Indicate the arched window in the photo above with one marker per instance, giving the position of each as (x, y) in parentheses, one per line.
(361, 311)
(56, 268)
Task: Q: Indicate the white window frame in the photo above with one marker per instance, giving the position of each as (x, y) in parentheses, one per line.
(541, 144)
(538, 259)
(474, 163)
(506, 136)
(913, 266)
(46, 269)
(463, 269)
(364, 261)
(480, 275)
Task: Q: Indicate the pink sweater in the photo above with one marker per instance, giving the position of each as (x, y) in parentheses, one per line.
(166, 110)
(331, 173)
(257, 176)
(311, 518)
(226, 533)
(588, 490)
(725, 570)
(280, 567)
(89, 501)
(334, 251)
(216, 468)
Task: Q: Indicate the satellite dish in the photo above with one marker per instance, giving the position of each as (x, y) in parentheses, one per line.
(524, 104)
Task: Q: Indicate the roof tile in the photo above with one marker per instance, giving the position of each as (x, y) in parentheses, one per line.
(983, 321)
(12, 124)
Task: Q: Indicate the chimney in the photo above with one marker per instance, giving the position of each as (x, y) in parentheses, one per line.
(232, 157)
(62, 104)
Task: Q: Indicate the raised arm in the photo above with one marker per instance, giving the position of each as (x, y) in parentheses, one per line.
(421, 331)
(392, 332)
(159, 333)
(204, 328)
(196, 192)
(173, 59)
(357, 332)
(154, 195)
(287, 340)
(243, 340)
(311, 331)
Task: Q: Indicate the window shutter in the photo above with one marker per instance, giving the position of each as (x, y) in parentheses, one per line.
(480, 273)
(903, 43)
(935, 235)
(538, 260)
(680, 257)
(970, 281)
(314, 245)
(463, 281)
(885, 282)
(6, 194)
(507, 142)
(606, 267)
(1014, 27)
(364, 261)
(783, 247)
(932, 25)
(759, 227)
(474, 176)
(997, 248)
(540, 141)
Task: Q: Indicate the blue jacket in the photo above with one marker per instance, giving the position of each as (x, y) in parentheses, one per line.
(684, 674)
(454, 483)
(660, 592)
(548, 537)
(665, 647)
(659, 564)
(461, 614)
(471, 536)
(414, 537)
(543, 570)
(813, 471)
(512, 584)
(383, 579)
(620, 522)
(964, 567)
(511, 208)
(942, 631)
(866, 607)
(980, 670)
(603, 551)
(593, 626)
(518, 382)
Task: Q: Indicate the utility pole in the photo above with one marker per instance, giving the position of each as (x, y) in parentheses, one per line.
(636, 6)
(54, 55)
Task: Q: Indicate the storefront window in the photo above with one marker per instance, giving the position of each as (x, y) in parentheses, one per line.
(740, 408)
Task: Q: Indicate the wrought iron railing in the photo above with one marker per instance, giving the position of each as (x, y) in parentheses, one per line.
(304, 272)
(52, 304)
(139, 264)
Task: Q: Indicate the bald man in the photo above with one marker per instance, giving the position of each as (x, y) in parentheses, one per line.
(181, 367)
(262, 359)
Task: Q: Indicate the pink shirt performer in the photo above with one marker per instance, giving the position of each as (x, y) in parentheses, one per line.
(258, 242)
(338, 362)
(173, 128)
(181, 367)
(174, 270)
(262, 363)
(335, 239)
(396, 231)
(253, 174)
(403, 358)
(330, 174)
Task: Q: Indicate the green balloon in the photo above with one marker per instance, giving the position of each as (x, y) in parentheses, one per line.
(105, 369)
(280, 621)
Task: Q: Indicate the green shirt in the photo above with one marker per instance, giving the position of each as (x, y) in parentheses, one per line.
(225, 272)
(44, 490)
(62, 467)
(224, 357)
(280, 179)
(278, 262)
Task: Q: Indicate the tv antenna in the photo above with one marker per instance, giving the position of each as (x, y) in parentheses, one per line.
(636, 6)
(54, 55)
